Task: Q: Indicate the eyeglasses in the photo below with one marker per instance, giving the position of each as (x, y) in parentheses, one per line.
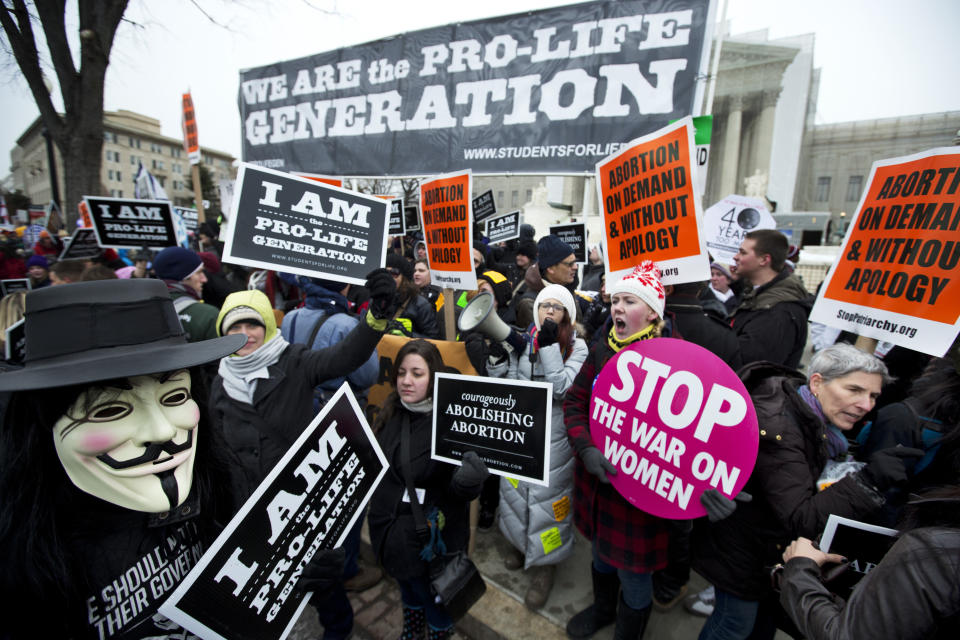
(550, 306)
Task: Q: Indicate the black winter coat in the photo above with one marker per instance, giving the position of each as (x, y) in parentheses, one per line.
(392, 528)
(259, 434)
(688, 321)
(771, 322)
(735, 554)
(423, 317)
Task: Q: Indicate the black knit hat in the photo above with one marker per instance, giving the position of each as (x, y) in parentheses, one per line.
(502, 291)
(552, 250)
(527, 248)
(176, 263)
(400, 263)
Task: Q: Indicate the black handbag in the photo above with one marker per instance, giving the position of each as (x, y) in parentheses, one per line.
(455, 582)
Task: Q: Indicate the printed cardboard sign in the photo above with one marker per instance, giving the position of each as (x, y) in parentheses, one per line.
(397, 219)
(15, 344)
(574, 235)
(674, 420)
(317, 177)
(82, 245)
(243, 586)
(448, 230)
(864, 545)
(293, 224)
(484, 206)
(726, 223)
(503, 228)
(411, 216)
(506, 422)
(651, 210)
(15, 284)
(896, 277)
(190, 218)
(131, 224)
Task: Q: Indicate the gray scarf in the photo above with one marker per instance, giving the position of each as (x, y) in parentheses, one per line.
(424, 406)
(240, 373)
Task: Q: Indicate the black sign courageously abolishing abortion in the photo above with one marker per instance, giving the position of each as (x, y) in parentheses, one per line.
(506, 422)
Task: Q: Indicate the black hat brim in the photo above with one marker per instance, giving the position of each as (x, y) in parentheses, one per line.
(119, 362)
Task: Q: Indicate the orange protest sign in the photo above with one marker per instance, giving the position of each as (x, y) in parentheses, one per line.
(316, 177)
(896, 278)
(650, 207)
(191, 141)
(447, 230)
(85, 214)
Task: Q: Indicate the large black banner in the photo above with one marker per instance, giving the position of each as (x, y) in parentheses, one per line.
(550, 91)
(243, 587)
(131, 224)
(293, 224)
(506, 422)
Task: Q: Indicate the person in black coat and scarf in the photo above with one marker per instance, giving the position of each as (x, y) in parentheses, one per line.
(443, 490)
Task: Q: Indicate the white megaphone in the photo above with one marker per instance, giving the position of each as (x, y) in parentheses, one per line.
(480, 314)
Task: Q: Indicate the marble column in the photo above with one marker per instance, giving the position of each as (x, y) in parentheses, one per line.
(763, 140)
(731, 146)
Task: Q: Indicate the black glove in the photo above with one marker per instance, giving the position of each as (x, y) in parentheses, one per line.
(471, 474)
(596, 464)
(887, 467)
(549, 332)
(476, 347)
(497, 353)
(323, 572)
(719, 506)
(383, 294)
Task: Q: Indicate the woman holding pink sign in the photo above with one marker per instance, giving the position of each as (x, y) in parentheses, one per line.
(628, 544)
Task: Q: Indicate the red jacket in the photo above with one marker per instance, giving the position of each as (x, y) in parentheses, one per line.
(623, 535)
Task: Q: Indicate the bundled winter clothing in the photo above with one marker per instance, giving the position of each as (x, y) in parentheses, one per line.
(771, 322)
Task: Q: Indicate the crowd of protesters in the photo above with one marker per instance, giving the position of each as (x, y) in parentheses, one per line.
(302, 338)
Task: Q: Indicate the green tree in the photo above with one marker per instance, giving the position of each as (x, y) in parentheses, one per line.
(78, 132)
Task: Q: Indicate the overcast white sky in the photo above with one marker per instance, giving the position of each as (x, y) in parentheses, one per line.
(879, 58)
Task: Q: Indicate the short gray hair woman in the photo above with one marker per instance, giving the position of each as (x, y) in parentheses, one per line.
(802, 435)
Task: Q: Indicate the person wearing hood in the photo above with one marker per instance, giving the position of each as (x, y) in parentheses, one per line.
(415, 316)
(771, 321)
(182, 271)
(554, 353)
(262, 398)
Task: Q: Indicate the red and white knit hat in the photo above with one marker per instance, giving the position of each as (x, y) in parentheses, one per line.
(643, 282)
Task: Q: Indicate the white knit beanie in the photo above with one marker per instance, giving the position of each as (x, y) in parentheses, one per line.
(557, 292)
(643, 282)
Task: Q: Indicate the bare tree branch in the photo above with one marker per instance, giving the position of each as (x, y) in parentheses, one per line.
(328, 12)
(209, 17)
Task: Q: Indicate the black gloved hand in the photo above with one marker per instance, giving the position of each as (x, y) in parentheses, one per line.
(549, 331)
(383, 294)
(496, 352)
(323, 572)
(719, 506)
(887, 467)
(471, 474)
(475, 345)
(596, 464)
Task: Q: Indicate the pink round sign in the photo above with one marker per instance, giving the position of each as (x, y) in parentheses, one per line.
(674, 420)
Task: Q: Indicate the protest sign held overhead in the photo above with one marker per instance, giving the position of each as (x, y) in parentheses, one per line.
(448, 230)
(14, 284)
(82, 245)
(244, 585)
(674, 420)
(292, 224)
(396, 223)
(190, 218)
(503, 228)
(703, 132)
(727, 223)
(411, 217)
(484, 206)
(131, 224)
(574, 235)
(896, 277)
(651, 210)
(506, 422)
(548, 91)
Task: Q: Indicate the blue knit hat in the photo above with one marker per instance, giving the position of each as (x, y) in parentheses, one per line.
(37, 261)
(551, 250)
(176, 263)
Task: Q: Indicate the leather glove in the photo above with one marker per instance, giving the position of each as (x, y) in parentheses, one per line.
(323, 572)
(383, 294)
(718, 506)
(887, 467)
(549, 331)
(596, 464)
(471, 474)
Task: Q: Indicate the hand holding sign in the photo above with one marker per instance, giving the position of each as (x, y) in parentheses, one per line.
(383, 294)
(674, 420)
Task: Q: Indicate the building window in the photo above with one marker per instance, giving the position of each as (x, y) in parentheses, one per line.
(529, 195)
(499, 196)
(134, 142)
(133, 159)
(110, 174)
(514, 198)
(158, 164)
(176, 152)
(823, 189)
(854, 187)
(119, 176)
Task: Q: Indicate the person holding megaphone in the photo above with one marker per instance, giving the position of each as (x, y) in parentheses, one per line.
(554, 354)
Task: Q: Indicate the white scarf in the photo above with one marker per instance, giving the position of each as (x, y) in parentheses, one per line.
(240, 373)
(722, 297)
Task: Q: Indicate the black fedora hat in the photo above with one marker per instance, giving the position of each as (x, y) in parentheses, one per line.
(100, 330)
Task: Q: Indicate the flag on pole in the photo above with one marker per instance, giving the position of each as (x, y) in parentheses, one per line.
(146, 187)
